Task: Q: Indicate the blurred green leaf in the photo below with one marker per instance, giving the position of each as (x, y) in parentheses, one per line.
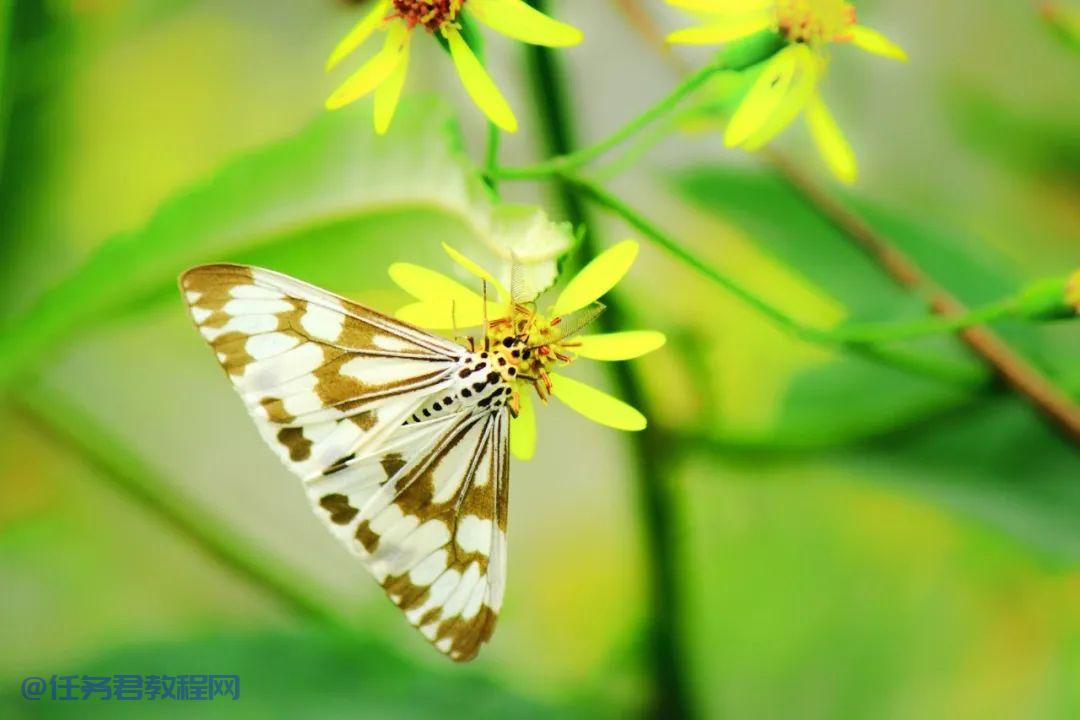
(995, 460)
(1013, 136)
(991, 457)
(851, 398)
(1063, 22)
(295, 676)
(321, 186)
(782, 221)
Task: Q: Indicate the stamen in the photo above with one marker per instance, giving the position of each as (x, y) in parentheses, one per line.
(815, 21)
(432, 14)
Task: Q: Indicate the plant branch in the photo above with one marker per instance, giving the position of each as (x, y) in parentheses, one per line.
(491, 158)
(879, 333)
(942, 370)
(1021, 375)
(738, 56)
(1012, 367)
(668, 672)
(7, 9)
(116, 464)
(561, 162)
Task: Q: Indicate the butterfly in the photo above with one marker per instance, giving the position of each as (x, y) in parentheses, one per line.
(400, 436)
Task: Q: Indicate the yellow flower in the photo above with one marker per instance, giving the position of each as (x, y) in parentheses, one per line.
(550, 337)
(385, 73)
(788, 83)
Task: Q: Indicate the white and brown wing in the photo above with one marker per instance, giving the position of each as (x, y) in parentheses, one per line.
(323, 377)
(333, 387)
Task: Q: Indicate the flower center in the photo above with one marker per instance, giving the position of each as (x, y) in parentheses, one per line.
(815, 21)
(432, 14)
(531, 344)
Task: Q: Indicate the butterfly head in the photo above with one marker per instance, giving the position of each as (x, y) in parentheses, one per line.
(528, 345)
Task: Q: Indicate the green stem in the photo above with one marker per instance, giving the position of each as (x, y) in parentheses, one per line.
(878, 333)
(7, 8)
(572, 160)
(491, 156)
(736, 57)
(951, 372)
(128, 473)
(668, 663)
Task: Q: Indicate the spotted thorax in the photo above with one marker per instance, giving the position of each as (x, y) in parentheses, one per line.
(402, 437)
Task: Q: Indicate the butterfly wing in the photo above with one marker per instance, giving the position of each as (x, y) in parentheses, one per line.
(330, 385)
(323, 377)
(428, 516)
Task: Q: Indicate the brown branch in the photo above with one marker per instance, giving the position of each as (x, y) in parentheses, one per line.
(1013, 368)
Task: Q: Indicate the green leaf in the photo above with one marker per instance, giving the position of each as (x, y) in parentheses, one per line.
(995, 460)
(308, 196)
(851, 398)
(991, 456)
(1015, 136)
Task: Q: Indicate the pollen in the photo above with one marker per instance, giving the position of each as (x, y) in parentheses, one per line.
(432, 14)
(815, 21)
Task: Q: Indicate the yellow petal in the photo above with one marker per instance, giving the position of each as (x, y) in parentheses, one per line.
(479, 85)
(425, 284)
(803, 82)
(375, 71)
(359, 34)
(431, 315)
(874, 42)
(517, 20)
(596, 405)
(725, 30)
(523, 429)
(830, 141)
(765, 98)
(388, 94)
(596, 278)
(618, 346)
(446, 314)
(722, 6)
(474, 269)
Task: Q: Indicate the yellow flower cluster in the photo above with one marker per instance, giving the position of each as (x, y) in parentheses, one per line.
(788, 82)
(385, 73)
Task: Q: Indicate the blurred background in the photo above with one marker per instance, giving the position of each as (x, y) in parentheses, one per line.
(850, 541)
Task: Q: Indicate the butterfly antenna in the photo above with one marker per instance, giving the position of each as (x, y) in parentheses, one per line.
(487, 336)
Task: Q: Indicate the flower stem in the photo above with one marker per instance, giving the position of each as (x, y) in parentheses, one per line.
(879, 333)
(69, 426)
(7, 9)
(491, 155)
(668, 671)
(738, 56)
(959, 374)
(1020, 374)
(562, 162)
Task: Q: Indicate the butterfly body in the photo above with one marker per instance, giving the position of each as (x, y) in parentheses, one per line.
(482, 382)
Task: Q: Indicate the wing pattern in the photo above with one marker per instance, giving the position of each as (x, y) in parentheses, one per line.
(428, 517)
(335, 389)
(322, 377)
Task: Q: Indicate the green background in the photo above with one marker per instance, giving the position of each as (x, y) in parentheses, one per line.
(852, 542)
